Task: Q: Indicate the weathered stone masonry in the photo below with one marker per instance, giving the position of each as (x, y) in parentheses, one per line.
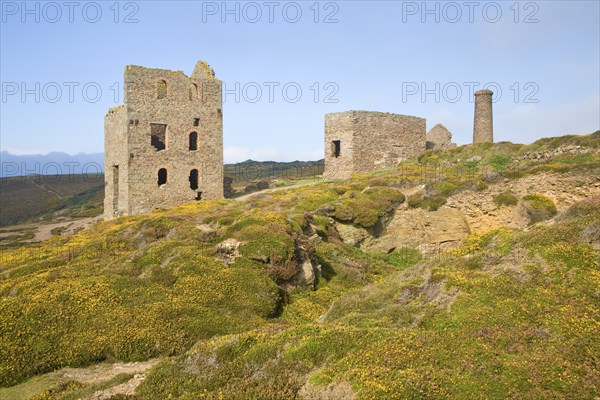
(363, 141)
(483, 126)
(164, 146)
(439, 137)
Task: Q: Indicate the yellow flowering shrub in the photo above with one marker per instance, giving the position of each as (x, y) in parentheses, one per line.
(507, 314)
(530, 335)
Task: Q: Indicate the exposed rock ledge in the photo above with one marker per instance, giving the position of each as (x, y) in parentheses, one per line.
(466, 212)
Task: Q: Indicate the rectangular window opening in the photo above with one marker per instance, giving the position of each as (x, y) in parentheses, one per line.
(198, 196)
(196, 121)
(158, 136)
(115, 199)
(336, 148)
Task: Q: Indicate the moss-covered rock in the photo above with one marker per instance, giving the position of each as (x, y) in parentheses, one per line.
(539, 207)
(367, 207)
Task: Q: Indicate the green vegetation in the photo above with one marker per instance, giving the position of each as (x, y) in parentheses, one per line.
(508, 160)
(508, 313)
(498, 162)
(11, 238)
(430, 203)
(506, 198)
(59, 391)
(48, 196)
(70, 301)
(249, 173)
(88, 203)
(366, 207)
(73, 390)
(407, 335)
(539, 207)
(45, 197)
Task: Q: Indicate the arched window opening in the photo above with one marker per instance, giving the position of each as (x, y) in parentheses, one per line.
(162, 176)
(161, 90)
(193, 141)
(193, 93)
(194, 179)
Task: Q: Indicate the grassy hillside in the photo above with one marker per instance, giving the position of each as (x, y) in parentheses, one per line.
(26, 198)
(262, 299)
(481, 323)
(249, 170)
(251, 176)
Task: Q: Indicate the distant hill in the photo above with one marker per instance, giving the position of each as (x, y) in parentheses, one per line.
(250, 170)
(244, 176)
(74, 195)
(55, 163)
(26, 198)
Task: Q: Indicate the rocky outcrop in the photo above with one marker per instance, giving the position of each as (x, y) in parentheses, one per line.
(352, 235)
(569, 149)
(481, 213)
(228, 251)
(308, 269)
(469, 211)
(426, 230)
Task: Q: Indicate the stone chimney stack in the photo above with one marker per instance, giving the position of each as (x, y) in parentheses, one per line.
(483, 128)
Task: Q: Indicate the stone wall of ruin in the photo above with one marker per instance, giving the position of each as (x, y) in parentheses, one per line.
(116, 187)
(188, 104)
(483, 126)
(439, 137)
(370, 141)
(339, 127)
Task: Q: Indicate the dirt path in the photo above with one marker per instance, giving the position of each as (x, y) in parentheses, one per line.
(46, 190)
(44, 231)
(249, 195)
(105, 372)
(90, 375)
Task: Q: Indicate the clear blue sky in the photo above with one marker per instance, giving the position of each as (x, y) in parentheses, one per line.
(544, 56)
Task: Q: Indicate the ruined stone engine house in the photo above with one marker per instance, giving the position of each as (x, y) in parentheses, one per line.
(366, 141)
(164, 146)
